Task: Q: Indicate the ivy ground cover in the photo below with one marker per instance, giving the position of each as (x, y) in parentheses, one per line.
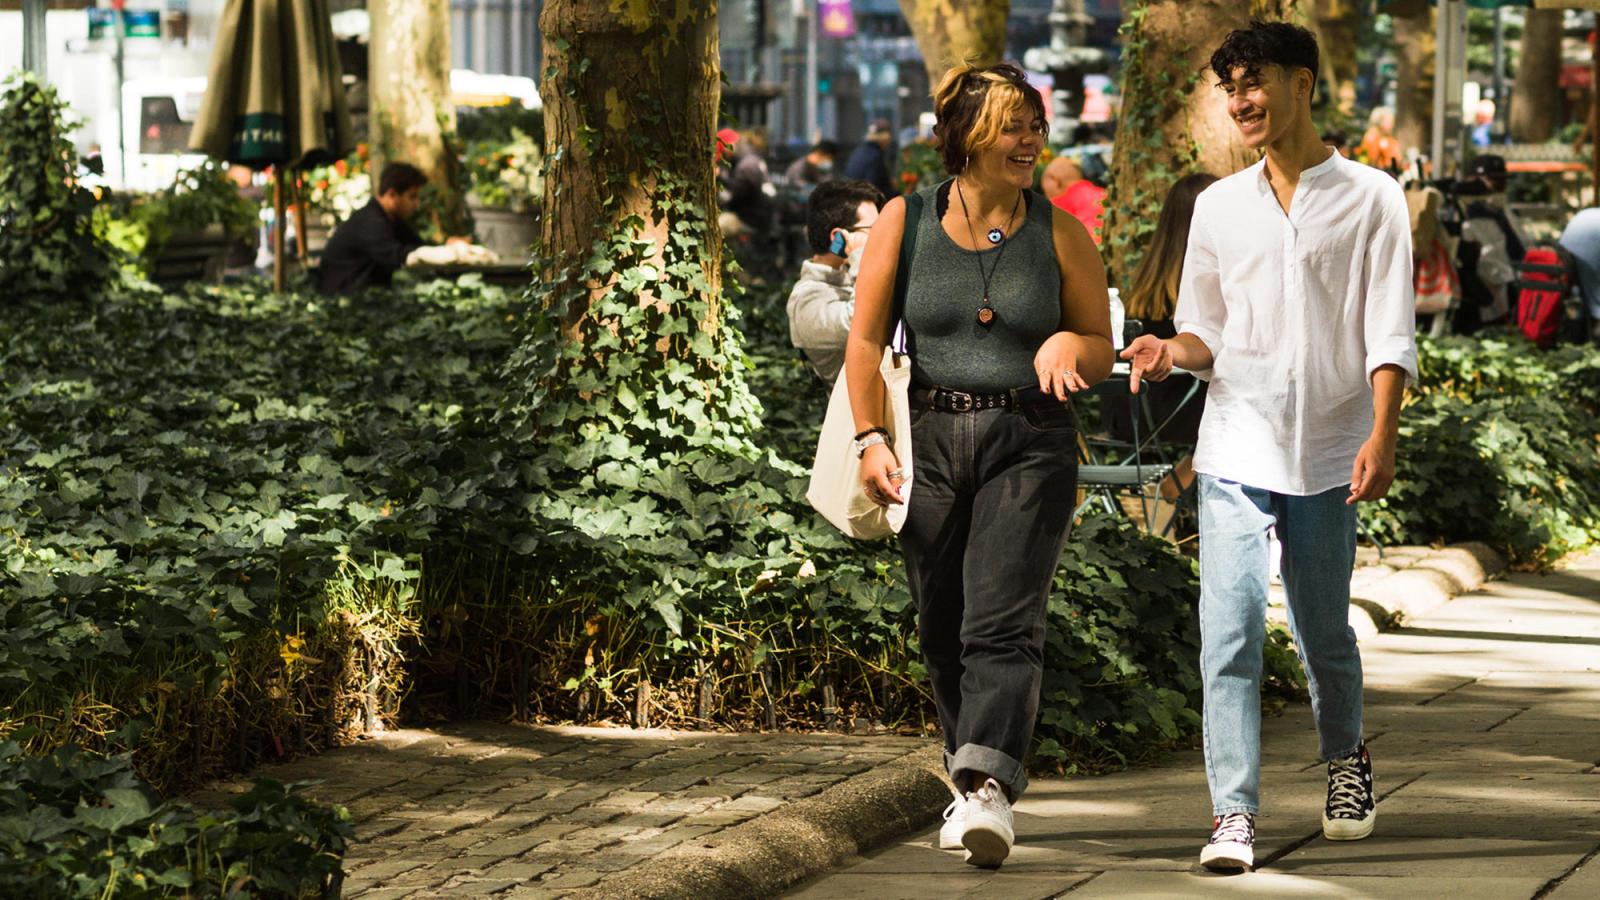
(235, 526)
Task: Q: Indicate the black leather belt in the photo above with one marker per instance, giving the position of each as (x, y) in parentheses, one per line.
(948, 400)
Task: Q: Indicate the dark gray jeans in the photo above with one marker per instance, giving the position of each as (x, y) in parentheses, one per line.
(991, 502)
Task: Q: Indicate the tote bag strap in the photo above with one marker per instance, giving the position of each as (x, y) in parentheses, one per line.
(900, 338)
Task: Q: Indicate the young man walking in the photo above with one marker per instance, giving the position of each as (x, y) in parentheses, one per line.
(1295, 303)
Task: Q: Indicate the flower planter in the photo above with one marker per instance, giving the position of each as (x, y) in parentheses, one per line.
(509, 234)
(192, 256)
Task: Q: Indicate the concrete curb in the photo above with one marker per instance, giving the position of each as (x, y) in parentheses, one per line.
(795, 842)
(1410, 581)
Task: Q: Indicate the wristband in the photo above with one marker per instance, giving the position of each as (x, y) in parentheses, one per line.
(876, 429)
(872, 440)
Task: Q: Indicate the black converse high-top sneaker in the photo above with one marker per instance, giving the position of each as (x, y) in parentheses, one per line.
(1350, 813)
(1232, 847)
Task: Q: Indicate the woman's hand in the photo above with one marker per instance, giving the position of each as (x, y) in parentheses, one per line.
(881, 475)
(1056, 364)
(1150, 358)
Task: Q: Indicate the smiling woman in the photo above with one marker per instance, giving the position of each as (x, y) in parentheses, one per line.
(1000, 337)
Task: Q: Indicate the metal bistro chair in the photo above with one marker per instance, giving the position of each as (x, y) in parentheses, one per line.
(1143, 463)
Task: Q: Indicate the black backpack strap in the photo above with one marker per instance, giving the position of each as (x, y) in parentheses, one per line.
(902, 272)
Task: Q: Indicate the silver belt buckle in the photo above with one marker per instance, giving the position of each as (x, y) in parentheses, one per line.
(960, 402)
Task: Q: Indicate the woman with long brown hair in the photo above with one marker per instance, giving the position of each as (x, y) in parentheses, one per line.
(1151, 299)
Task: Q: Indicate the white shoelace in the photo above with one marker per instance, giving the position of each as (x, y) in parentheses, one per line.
(989, 793)
(1346, 790)
(1235, 827)
(953, 808)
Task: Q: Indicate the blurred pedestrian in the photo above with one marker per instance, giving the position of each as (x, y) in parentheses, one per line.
(839, 218)
(814, 168)
(869, 162)
(1379, 147)
(748, 192)
(1064, 184)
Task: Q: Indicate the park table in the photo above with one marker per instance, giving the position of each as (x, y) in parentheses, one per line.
(501, 274)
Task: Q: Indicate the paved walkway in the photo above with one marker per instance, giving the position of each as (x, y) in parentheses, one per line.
(484, 808)
(1484, 722)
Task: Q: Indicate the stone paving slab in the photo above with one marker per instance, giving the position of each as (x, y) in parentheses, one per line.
(481, 808)
(1165, 886)
(1482, 724)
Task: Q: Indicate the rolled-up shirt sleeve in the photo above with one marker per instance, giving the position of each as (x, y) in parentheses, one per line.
(1201, 310)
(1388, 293)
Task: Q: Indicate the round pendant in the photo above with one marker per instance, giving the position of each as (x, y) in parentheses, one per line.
(985, 315)
(996, 235)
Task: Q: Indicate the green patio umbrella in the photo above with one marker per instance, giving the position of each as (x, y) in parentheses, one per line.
(274, 96)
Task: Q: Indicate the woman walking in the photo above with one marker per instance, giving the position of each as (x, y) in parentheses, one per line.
(1007, 316)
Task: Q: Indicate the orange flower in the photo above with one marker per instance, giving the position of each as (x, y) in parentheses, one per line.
(339, 166)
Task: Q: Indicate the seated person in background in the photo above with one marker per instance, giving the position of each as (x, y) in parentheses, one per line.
(367, 248)
(1151, 299)
(814, 168)
(1581, 238)
(1064, 184)
(838, 218)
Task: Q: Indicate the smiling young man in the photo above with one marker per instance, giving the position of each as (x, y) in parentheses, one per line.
(1295, 303)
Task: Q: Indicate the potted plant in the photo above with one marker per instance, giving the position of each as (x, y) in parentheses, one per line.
(184, 231)
(507, 185)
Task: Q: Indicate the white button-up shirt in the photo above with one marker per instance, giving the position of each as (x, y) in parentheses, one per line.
(1299, 310)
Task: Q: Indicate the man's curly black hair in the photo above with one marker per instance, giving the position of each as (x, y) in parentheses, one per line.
(1263, 43)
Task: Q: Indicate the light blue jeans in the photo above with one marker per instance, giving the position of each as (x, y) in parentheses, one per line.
(1318, 536)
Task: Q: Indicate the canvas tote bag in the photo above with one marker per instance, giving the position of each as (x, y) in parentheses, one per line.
(835, 489)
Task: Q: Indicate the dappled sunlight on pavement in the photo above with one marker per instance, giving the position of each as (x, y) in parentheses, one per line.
(1483, 717)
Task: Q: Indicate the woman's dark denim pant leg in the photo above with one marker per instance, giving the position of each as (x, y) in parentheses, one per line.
(991, 503)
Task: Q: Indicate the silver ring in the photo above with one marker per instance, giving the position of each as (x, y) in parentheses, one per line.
(1067, 373)
(898, 474)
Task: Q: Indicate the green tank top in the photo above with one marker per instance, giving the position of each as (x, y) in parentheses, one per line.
(949, 348)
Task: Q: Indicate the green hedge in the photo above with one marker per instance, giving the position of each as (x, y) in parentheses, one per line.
(1500, 442)
(226, 515)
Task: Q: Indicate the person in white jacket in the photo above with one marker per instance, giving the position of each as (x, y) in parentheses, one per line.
(839, 216)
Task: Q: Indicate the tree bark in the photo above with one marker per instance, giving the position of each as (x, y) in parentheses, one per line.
(1415, 39)
(1174, 120)
(1535, 99)
(412, 116)
(630, 113)
(954, 31)
(1338, 22)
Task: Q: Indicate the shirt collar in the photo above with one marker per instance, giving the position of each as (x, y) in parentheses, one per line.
(1327, 166)
(815, 271)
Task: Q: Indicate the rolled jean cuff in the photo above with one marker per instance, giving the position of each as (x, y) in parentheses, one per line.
(999, 766)
(1226, 810)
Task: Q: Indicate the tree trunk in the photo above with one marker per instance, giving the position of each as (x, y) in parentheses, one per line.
(412, 117)
(955, 31)
(1338, 22)
(1174, 120)
(1415, 39)
(1536, 98)
(630, 117)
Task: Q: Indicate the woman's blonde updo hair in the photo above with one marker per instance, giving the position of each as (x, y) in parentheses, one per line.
(973, 104)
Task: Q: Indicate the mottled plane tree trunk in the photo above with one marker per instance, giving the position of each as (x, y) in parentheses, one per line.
(955, 31)
(1174, 119)
(412, 118)
(1415, 40)
(1536, 98)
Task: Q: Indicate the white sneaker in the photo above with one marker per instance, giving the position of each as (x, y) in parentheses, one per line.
(955, 822)
(989, 833)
